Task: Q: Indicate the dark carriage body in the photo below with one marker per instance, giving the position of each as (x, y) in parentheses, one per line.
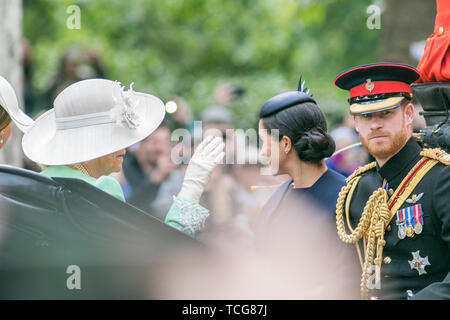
(48, 225)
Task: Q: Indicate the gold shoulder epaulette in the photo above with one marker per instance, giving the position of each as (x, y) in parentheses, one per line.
(361, 170)
(437, 154)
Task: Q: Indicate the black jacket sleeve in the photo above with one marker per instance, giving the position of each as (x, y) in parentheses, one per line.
(441, 202)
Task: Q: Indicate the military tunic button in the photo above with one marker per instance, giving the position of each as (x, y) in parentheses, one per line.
(441, 30)
(391, 192)
(388, 228)
(409, 293)
(387, 260)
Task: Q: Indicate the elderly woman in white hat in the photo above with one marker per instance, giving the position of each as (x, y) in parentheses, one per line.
(85, 135)
(9, 110)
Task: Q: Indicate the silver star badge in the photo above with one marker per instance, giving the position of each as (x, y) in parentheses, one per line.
(418, 262)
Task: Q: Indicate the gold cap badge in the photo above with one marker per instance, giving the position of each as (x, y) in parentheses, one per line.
(370, 85)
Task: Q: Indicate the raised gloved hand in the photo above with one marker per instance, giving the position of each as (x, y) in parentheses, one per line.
(205, 158)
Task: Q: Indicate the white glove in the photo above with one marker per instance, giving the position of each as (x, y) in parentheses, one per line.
(208, 154)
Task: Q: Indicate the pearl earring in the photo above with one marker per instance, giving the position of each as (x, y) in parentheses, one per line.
(2, 136)
(286, 151)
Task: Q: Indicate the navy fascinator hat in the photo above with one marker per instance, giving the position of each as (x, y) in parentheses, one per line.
(286, 99)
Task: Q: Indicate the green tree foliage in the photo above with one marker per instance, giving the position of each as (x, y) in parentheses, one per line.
(188, 47)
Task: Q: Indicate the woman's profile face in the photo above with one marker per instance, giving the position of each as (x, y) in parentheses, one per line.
(108, 164)
(270, 149)
(5, 134)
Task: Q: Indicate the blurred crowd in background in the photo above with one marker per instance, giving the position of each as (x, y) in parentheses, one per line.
(235, 193)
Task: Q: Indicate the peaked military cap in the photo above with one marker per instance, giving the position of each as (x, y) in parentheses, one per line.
(377, 87)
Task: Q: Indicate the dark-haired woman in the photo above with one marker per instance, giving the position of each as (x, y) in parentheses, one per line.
(299, 218)
(293, 130)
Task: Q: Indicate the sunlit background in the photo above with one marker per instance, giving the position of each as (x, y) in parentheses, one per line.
(188, 47)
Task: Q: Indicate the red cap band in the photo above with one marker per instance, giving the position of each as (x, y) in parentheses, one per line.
(377, 87)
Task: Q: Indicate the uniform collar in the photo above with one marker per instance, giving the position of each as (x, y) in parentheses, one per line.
(404, 160)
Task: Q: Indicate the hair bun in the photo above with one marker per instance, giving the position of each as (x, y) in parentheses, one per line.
(315, 145)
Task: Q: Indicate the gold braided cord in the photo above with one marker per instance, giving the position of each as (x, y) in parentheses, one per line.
(436, 154)
(347, 202)
(361, 170)
(347, 216)
(363, 224)
(371, 225)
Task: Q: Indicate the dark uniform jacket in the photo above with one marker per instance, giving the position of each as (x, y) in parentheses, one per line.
(399, 279)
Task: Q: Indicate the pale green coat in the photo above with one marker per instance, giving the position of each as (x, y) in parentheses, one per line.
(184, 215)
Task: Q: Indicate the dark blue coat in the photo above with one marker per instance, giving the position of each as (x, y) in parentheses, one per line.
(323, 194)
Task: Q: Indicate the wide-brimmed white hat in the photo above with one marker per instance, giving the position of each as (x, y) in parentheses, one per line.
(8, 101)
(90, 119)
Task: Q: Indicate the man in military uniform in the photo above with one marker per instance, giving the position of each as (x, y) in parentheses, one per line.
(397, 208)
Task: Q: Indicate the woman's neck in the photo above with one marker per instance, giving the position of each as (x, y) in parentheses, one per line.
(306, 174)
(86, 169)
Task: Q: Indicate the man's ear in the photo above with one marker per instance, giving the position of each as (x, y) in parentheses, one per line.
(409, 113)
(356, 124)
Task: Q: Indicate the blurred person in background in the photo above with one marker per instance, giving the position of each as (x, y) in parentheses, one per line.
(347, 161)
(218, 197)
(219, 194)
(247, 201)
(234, 204)
(76, 64)
(217, 117)
(152, 178)
(31, 98)
(216, 120)
(225, 93)
(182, 117)
(419, 120)
(28, 91)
